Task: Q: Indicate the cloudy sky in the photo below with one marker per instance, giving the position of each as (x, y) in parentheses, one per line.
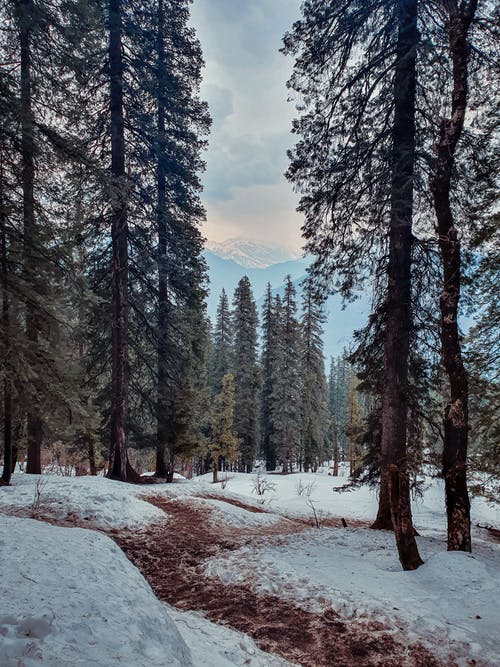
(245, 192)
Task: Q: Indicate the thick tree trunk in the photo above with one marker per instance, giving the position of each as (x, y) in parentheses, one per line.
(7, 384)
(34, 422)
(162, 469)
(397, 334)
(456, 411)
(119, 236)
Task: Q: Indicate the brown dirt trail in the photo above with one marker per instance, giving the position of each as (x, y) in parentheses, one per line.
(171, 556)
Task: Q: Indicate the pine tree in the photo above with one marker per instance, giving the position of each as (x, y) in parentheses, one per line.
(285, 401)
(333, 429)
(119, 239)
(176, 141)
(315, 417)
(267, 364)
(456, 419)
(223, 441)
(355, 164)
(353, 427)
(36, 115)
(222, 349)
(245, 372)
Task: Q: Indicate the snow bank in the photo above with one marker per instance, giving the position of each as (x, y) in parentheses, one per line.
(237, 517)
(102, 502)
(69, 596)
(215, 645)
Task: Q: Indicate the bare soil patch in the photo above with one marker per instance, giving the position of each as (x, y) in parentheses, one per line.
(171, 555)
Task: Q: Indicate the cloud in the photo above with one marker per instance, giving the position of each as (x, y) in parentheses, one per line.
(259, 213)
(244, 161)
(245, 85)
(220, 101)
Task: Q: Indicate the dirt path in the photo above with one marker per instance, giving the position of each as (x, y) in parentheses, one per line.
(171, 555)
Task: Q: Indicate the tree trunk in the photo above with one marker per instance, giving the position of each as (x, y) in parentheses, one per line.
(34, 422)
(456, 411)
(171, 469)
(397, 333)
(7, 384)
(92, 463)
(162, 470)
(119, 235)
(384, 516)
(214, 471)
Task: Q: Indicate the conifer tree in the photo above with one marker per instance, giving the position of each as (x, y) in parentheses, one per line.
(36, 116)
(119, 239)
(175, 140)
(353, 426)
(223, 442)
(333, 429)
(355, 164)
(222, 348)
(483, 342)
(267, 364)
(315, 418)
(285, 400)
(456, 418)
(245, 372)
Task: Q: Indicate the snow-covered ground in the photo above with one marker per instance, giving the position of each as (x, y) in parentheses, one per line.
(71, 596)
(102, 502)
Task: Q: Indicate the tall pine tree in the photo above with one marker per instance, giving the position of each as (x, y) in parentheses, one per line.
(245, 370)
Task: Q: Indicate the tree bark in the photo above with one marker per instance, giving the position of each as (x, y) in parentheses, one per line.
(162, 469)
(119, 235)
(34, 422)
(383, 520)
(456, 411)
(397, 334)
(7, 383)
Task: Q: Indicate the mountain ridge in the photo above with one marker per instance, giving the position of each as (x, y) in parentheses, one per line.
(251, 254)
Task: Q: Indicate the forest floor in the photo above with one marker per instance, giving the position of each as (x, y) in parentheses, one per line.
(246, 579)
(172, 559)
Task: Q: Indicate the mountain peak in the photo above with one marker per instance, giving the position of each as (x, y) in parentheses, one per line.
(251, 254)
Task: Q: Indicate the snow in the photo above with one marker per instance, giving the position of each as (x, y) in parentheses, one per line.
(332, 500)
(92, 606)
(217, 646)
(237, 517)
(101, 502)
(354, 571)
(69, 596)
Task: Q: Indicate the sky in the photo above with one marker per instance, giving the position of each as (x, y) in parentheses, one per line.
(245, 192)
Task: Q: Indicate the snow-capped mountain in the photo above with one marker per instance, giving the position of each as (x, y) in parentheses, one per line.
(251, 254)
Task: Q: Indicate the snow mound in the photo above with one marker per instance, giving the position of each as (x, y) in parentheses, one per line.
(236, 517)
(70, 596)
(215, 645)
(102, 502)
